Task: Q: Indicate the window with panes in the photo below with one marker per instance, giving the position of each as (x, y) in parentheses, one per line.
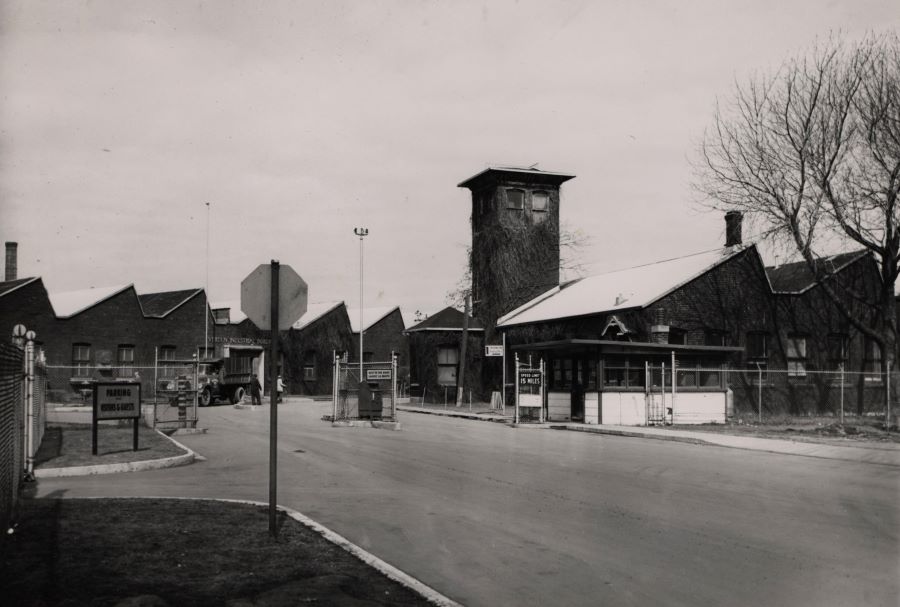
(447, 365)
(796, 356)
(125, 360)
(81, 360)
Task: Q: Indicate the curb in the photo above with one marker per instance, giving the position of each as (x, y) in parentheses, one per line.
(626, 433)
(150, 464)
(456, 415)
(427, 592)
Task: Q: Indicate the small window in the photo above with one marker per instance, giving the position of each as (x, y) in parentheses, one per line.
(872, 361)
(540, 202)
(309, 365)
(125, 358)
(758, 356)
(447, 363)
(515, 199)
(81, 360)
(796, 356)
(837, 351)
(166, 353)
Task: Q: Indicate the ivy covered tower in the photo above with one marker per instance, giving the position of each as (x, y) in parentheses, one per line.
(515, 238)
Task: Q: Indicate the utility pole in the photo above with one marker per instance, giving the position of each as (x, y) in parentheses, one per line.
(362, 233)
(461, 377)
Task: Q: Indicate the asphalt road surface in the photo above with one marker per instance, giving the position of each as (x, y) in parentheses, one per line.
(491, 515)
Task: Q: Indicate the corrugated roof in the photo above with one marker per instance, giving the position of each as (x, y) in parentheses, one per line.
(619, 290)
(315, 311)
(371, 316)
(448, 319)
(796, 277)
(70, 303)
(161, 304)
(8, 286)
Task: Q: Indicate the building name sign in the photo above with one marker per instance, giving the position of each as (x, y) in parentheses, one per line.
(244, 341)
(493, 350)
(378, 374)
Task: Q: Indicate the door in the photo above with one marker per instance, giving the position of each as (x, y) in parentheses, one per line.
(579, 379)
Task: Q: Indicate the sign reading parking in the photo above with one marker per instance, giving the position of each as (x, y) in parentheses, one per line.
(116, 400)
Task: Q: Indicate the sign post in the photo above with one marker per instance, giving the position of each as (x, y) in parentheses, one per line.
(273, 297)
(116, 400)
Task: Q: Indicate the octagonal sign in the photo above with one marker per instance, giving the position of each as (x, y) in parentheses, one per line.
(256, 293)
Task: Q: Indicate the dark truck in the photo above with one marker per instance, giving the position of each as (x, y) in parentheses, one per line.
(227, 378)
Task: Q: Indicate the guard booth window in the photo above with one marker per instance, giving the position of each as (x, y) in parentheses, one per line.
(447, 362)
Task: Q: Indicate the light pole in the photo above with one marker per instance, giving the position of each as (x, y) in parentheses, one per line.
(362, 233)
(206, 292)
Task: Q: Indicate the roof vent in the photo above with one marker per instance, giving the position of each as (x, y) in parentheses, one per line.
(620, 299)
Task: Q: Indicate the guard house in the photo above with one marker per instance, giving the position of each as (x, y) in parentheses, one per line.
(611, 341)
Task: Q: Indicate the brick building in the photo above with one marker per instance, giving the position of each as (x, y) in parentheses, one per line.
(610, 341)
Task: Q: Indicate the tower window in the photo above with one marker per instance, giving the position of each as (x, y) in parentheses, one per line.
(515, 199)
(540, 202)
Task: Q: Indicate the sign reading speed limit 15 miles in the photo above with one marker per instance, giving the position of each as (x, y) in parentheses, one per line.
(529, 377)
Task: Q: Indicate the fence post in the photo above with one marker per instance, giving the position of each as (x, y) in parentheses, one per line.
(393, 385)
(29, 405)
(759, 396)
(841, 366)
(335, 383)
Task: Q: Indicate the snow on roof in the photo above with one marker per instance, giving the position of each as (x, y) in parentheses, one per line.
(71, 303)
(370, 316)
(315, 311)
(619, 290)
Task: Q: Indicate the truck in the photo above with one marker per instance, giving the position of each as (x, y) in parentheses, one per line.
(228, 378)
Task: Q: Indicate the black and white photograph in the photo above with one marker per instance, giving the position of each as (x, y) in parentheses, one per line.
(459, 303)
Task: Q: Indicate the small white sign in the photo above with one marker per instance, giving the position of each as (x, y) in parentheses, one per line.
(378, 374)
(493, 350)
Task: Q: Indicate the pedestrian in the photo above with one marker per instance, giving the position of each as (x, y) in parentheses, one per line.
(280, 387)
(255, 390)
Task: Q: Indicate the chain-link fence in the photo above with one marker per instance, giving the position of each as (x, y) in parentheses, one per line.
(374, 398)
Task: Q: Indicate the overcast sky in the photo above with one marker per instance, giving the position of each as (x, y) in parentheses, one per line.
(298, 121)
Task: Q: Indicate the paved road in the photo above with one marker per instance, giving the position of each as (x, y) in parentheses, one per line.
(491, 515)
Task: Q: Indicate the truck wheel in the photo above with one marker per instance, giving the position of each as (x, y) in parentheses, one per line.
(238, 395)
(205, 398)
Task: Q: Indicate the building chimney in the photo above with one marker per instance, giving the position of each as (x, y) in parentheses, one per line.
(11, 256)
(659, 331)
(733, 220)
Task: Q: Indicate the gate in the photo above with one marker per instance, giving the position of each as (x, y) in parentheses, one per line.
(373, 398)
(658, 395)
(176, 393)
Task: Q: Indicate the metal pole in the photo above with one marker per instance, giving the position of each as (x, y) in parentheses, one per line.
(393, 385)
(674, 382)
(361, 232)
(842, 392)
(273, 400)
(206, 291)
(461, 378)
(516, 414)
(503, 385)
(759, 391)
(29, 403)
(335, 384)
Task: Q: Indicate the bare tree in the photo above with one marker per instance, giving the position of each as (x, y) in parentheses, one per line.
(811, 153)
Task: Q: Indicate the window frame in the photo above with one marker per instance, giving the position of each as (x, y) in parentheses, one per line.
(543, 195)
(444, 366)
(797, 358)
(509, 200)
(125, 367)
(81, 360)
(758, 361)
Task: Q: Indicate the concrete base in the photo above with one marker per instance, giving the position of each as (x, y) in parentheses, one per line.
(364, 423)
(184, 431)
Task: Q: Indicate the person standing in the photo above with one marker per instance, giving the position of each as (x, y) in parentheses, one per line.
(255, 390)
(280, 387)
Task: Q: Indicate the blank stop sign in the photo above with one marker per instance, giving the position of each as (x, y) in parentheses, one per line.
(256, 293)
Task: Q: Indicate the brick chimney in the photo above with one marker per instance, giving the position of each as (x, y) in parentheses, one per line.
(11, 260)
(659, 331)
(733, 221)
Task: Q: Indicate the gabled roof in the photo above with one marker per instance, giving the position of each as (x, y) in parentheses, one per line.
(70, 303)
(796, 277)
(314, 312)
(9, 286)
(371, 316)
(626, 289)
(448, 319)
(160, 305)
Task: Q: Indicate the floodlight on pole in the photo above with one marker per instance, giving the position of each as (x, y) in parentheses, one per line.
(362, 233)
